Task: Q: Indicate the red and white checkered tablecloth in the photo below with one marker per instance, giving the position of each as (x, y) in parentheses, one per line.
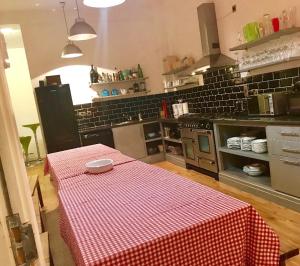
(138, 214)
(63, 165)
(78, 153)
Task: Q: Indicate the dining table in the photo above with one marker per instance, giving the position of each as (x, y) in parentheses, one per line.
(140, 214)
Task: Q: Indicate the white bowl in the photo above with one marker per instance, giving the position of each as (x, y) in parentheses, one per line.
(99, 166)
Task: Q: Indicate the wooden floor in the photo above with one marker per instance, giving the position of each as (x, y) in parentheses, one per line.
(285, 222)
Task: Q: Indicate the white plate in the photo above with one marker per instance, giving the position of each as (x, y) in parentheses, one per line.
(99, 166)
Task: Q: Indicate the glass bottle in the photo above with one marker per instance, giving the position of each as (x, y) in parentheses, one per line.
(140, 72)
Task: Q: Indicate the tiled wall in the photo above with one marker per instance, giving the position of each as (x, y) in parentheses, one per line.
(222, 92)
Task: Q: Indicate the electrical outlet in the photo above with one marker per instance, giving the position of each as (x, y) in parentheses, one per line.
(88, 113)
(233, 8)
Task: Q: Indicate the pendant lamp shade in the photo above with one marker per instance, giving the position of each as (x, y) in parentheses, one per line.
(81, 31)
(71, 51)
(102, 3)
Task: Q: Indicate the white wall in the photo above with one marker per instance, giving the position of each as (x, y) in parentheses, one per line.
(21, 93)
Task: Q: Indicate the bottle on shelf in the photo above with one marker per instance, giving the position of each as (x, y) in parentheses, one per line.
(140, 72)
(94, 75)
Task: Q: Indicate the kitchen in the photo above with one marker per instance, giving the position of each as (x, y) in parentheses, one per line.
(172, 111)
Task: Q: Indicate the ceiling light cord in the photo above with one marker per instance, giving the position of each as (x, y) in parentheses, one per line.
(77, 9)
(66, 23)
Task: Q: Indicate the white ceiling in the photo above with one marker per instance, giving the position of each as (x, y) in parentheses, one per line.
(16, 5)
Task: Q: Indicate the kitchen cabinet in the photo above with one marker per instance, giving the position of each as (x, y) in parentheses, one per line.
(285, 160)
(130, 140)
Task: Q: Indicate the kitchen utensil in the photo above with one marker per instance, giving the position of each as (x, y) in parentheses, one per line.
(123, 91)
(160, 147)
(259, 145)
(234, 143)
(275, 24)
(115, 92)
(151, 135)
(105, 93)
(246, 143)
(185, 108)
(99, 166)
(251, 31)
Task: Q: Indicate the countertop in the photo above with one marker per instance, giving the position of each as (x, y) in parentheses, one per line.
(127, 123)
(279, 120)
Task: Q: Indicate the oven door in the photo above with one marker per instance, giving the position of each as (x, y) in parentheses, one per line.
(189, 152)
(205, 149)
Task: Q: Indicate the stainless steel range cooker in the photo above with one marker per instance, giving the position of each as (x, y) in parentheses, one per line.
(198, 143)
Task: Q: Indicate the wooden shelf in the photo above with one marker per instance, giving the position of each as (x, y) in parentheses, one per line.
(274, 36)
(173, 140)
(152, 140)
(249, 154)
(115, 83)
(236, 173)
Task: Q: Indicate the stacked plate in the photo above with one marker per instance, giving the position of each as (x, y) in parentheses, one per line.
(246, 143)
(255, 169)
(234, 143)
(259, 145)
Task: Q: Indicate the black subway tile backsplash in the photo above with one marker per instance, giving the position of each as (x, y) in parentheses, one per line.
(223, 89)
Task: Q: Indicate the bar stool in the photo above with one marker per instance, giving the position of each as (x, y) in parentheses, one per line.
(34, 128)
(25, 141)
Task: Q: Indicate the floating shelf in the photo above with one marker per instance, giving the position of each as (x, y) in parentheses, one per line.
(249, 154)
(295, 58)
(173, 140)
(273, 36)
(111, 98)
(181, 87)
(115, 83)
(175, 71)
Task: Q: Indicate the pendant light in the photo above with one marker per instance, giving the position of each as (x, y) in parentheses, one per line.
(70, 50)
(102, 3)
(81, 31)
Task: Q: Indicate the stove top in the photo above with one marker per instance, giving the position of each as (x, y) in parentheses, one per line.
(197, 121)
(201, 120)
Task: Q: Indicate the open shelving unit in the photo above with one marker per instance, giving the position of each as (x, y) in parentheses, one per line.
(117, 83)
(173, 140)
(248, 154)
(231, 162)
(266, 39)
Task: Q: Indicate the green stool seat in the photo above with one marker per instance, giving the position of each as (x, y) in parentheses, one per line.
(34, 128)
(25, 141)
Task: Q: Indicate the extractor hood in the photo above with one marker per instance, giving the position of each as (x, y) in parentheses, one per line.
(211, 52)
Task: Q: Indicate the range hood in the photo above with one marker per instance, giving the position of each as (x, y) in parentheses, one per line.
(211, 52)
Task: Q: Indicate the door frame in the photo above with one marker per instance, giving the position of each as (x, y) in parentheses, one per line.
(13, 165)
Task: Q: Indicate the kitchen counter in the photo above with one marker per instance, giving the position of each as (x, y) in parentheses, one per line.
(127, 123)
(280, 120)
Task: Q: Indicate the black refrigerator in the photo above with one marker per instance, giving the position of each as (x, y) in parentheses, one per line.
(57, 117)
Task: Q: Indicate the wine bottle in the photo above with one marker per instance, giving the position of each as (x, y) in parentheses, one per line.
(140, 72)
(92, 74)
